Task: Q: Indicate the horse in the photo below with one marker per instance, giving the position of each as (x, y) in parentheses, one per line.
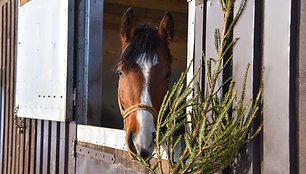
(143, 69)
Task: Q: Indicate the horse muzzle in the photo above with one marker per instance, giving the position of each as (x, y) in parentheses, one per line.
(137, 150)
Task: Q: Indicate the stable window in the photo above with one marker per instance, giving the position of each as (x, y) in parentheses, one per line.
(97, 56)
(42, 56)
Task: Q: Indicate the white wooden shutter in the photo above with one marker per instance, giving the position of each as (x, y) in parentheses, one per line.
(42, 59)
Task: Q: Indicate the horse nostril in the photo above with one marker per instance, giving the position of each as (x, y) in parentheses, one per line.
(131, 146)
(144, 154)
(154, 135)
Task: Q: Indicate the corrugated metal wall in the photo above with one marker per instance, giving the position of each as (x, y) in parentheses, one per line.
(301, 93)
(7, 52)
(40, 146)
(268, 38)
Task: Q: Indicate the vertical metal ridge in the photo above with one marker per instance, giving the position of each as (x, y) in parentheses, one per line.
(57, 146)
(4, 72)
(293, 107)
(21, 152)
(204, 42)
(12, 72)
(9, 84)
(1, 92)
(276, 62)
(27, 145)
(39, 146)
(33, 146)
(257, 78)
(46, 147)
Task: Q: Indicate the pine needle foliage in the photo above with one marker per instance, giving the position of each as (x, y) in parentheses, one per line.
(220, 123)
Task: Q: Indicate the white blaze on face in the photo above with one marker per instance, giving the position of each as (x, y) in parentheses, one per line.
(144, 137)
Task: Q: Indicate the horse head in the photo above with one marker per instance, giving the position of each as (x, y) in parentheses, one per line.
(143, 69)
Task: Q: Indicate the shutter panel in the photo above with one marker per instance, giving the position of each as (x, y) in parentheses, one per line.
(42, 60)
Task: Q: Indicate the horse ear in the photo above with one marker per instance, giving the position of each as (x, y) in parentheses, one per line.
(166, 27)
(128, 25)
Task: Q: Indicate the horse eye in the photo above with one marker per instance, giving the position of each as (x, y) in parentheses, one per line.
(119, 72)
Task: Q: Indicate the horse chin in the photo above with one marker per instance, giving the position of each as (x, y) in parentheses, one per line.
(144, 153)
(138, 148)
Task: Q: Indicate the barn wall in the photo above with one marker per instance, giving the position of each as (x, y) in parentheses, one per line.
(264, 43)
(301, 90)
(38, 146)
(7, 53)
(31, 146)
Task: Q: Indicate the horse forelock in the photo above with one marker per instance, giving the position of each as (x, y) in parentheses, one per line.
(143, 45)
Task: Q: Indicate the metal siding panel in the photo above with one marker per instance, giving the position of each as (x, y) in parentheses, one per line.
(27, 132)
(14, 160)
(302, 90)
(39, 145)
(41, 91)
(54, 142)
(12, 82)
(14, 149)
(8, 87)
(63, 148)
(1, 93)
(33, 146)
(243, 55)
(214, 20)
(199, 28)
(276, 88)
(243, 50)
(17, 155)
(21, 152)
(4, 109)
(46, 147)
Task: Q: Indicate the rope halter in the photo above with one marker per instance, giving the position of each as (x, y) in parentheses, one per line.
(137, 107)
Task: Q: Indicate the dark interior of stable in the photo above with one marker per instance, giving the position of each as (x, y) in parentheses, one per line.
(103, 111)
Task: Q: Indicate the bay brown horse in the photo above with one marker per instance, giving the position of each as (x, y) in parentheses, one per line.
(144, 69)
